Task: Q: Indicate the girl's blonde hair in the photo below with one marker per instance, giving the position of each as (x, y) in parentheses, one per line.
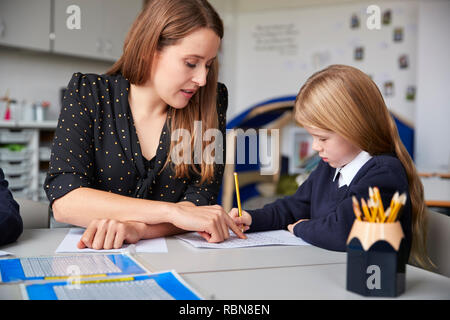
(160, 24)
(344, 100)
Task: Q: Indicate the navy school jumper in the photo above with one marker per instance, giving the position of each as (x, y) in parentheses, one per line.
(11, 225)
(330, 208)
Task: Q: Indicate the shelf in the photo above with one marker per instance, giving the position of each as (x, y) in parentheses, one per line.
(23, 168)
(47, 124)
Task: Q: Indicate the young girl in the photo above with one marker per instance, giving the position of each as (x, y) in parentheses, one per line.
(354, 134)
(111, 169)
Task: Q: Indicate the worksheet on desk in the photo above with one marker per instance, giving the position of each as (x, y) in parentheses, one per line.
(4, 253)
(254, 239)
(64, 267)
(69, 244)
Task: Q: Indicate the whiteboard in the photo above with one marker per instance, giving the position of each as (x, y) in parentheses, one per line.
(278, 50)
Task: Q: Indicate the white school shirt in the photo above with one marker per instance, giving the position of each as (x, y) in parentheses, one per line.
(349, 171)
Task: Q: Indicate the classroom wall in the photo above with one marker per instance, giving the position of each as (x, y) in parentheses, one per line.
(321, 36)
(227, 54)
(433, 81)
(279, 49)
(35, 76)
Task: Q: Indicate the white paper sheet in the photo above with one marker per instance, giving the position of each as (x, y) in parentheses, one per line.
(4, 253)
(69, 244)
(254, 239)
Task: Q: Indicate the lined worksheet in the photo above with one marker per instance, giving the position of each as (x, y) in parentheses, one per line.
(4, 253)
(254, 239)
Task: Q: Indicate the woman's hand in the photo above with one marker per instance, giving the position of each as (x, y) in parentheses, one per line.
(211, 222)
(109, 234)
(292, 226)
(244, 221)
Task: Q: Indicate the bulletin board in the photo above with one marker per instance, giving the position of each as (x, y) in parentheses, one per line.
(279, 50)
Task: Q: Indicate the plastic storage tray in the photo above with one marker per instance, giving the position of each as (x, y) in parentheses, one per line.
(8, 155)
(19, 182)
(15, 136)
(15, 168)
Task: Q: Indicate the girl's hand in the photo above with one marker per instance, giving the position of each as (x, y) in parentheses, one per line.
(211, 222)
(292, 226)
(243, 221)
(109, 234)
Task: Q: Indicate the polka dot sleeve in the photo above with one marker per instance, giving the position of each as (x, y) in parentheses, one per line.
(207, 193)
(71, 162)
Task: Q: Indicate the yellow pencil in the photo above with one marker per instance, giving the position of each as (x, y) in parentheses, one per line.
(366, 210)
(238, 196)
(394, 198)
(400, 203)
(371, 203)
(104, 280)
(386, 215)
(236, 183)
(373, 209)
(380, 203)
(393, 214)
(356, 208)
(397, 205)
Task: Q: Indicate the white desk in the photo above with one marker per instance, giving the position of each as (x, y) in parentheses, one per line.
(436, 191)
(327, 282)
(304, 272)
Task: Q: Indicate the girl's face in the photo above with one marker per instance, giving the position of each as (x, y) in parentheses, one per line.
(332, 148)
(180, 70)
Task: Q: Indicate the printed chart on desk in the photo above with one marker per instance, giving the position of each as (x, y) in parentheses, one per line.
(60, 267)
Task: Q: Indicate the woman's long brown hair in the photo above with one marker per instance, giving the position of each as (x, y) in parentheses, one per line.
(345, 100)
(163, 23)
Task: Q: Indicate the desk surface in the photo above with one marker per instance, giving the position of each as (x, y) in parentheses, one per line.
(185, 258)
(274, 272)
(436, 191)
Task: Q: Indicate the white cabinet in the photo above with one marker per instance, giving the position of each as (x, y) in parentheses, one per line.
(25, 23)
(25, 155)
(118, 16)
(43, 25)
(103, 25)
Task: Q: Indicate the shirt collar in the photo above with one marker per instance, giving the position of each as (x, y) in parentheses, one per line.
(349, 171)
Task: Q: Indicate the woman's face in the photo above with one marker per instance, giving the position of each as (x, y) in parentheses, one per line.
(180, 70)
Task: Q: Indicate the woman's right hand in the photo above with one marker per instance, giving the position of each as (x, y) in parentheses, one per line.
(244, 221)
(211, 222)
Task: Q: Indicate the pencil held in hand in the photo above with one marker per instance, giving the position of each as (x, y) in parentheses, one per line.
(238, 196)
(236, 183)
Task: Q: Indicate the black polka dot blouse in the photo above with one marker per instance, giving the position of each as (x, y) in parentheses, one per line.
(96, 146)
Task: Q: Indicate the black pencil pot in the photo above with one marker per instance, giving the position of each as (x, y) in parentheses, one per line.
(376, 259)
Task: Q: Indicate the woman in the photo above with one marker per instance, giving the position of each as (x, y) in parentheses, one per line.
(111, 168)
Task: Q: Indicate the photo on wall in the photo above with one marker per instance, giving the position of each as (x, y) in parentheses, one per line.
(398, 34)
(389, 89)
(411, 93)
(387, 17)
(359, 53)
(403, 61)
(354, 21)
